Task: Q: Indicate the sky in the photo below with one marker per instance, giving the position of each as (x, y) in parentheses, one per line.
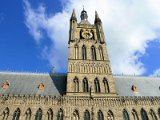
(34, 34)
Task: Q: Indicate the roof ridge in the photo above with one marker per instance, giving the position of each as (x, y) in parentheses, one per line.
(23, 73)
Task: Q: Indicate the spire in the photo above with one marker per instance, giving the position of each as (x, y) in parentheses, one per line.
(97, 19)
(73, 17)
(84, 15)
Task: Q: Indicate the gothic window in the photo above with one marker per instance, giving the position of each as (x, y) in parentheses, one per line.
(100, 115)
(75, 115)
(110, 115)
(84, 53)
(144, 114)
(97, 86)
(60, 115)
(134, 113)
(76, 51)
(153, 115)
(86, 115)
(106, 86)
(81, 34)
(16, 114)
(85, 85)
(93, 51)
(101, 53)
(125, 115)
(159, 112)
(5, 114)
(38, 114)
(50, 114)
(76, 84)
(93, 37)
(28, 114)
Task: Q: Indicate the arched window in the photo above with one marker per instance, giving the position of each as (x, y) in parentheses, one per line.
(144, 114)
(110, 115)
(97, 86)
(16, 114)
(100, 115)
(93, 51)
(76, 84)
(50, 114)
(38, 114)
(85, 85)
(134, 113)
(106, 85)
(159, 112)
(60, 115)
(153, 115)
(125, 115)
(75, 115)
(76, 52)
(101, 53)
(86, 115)
(84, 53)
(81, 34)
(5, 114)
(92, 34)
(28, 114)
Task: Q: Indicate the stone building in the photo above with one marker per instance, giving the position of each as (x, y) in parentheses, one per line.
(89, 91)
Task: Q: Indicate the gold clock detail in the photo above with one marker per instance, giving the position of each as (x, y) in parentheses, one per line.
(87, 34)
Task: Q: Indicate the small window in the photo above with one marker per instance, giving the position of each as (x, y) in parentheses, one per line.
(134, 88)
(5, 85)
(41, 86)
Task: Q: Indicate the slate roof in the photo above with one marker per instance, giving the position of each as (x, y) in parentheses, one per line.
(147, 86)
(27, 84)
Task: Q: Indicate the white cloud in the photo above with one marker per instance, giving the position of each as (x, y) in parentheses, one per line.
(156, 73)
(128, 24)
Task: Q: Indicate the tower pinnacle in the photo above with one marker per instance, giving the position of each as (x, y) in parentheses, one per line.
(97, 19)
(73, 16)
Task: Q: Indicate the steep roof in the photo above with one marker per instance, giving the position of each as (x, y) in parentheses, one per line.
(27, 84)
(146, 86)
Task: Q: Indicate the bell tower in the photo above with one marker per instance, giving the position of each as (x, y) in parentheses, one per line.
(89, 71)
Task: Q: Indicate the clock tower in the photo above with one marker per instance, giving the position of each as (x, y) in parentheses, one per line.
(89, 71)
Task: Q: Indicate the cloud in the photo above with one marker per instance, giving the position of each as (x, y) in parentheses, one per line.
(156, 73)
(129, 26)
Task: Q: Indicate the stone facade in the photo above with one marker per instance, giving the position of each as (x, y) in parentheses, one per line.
(73, 107)
(90, 92)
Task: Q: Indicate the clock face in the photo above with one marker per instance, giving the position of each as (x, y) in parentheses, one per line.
(87, 34)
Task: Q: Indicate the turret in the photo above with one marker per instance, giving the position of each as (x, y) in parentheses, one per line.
(73, 26)
(73, 16)
(98, 24)
(97, 19)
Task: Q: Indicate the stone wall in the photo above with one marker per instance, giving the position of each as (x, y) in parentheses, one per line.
(70, 104)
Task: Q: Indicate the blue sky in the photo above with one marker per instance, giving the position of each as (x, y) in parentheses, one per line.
(34, 34)
(18, 50)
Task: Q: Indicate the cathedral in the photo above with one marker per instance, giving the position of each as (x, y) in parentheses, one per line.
(88, 91)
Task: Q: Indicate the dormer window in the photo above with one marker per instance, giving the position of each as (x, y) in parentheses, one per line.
(5, 85)
(134, 88)
(41, 86)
